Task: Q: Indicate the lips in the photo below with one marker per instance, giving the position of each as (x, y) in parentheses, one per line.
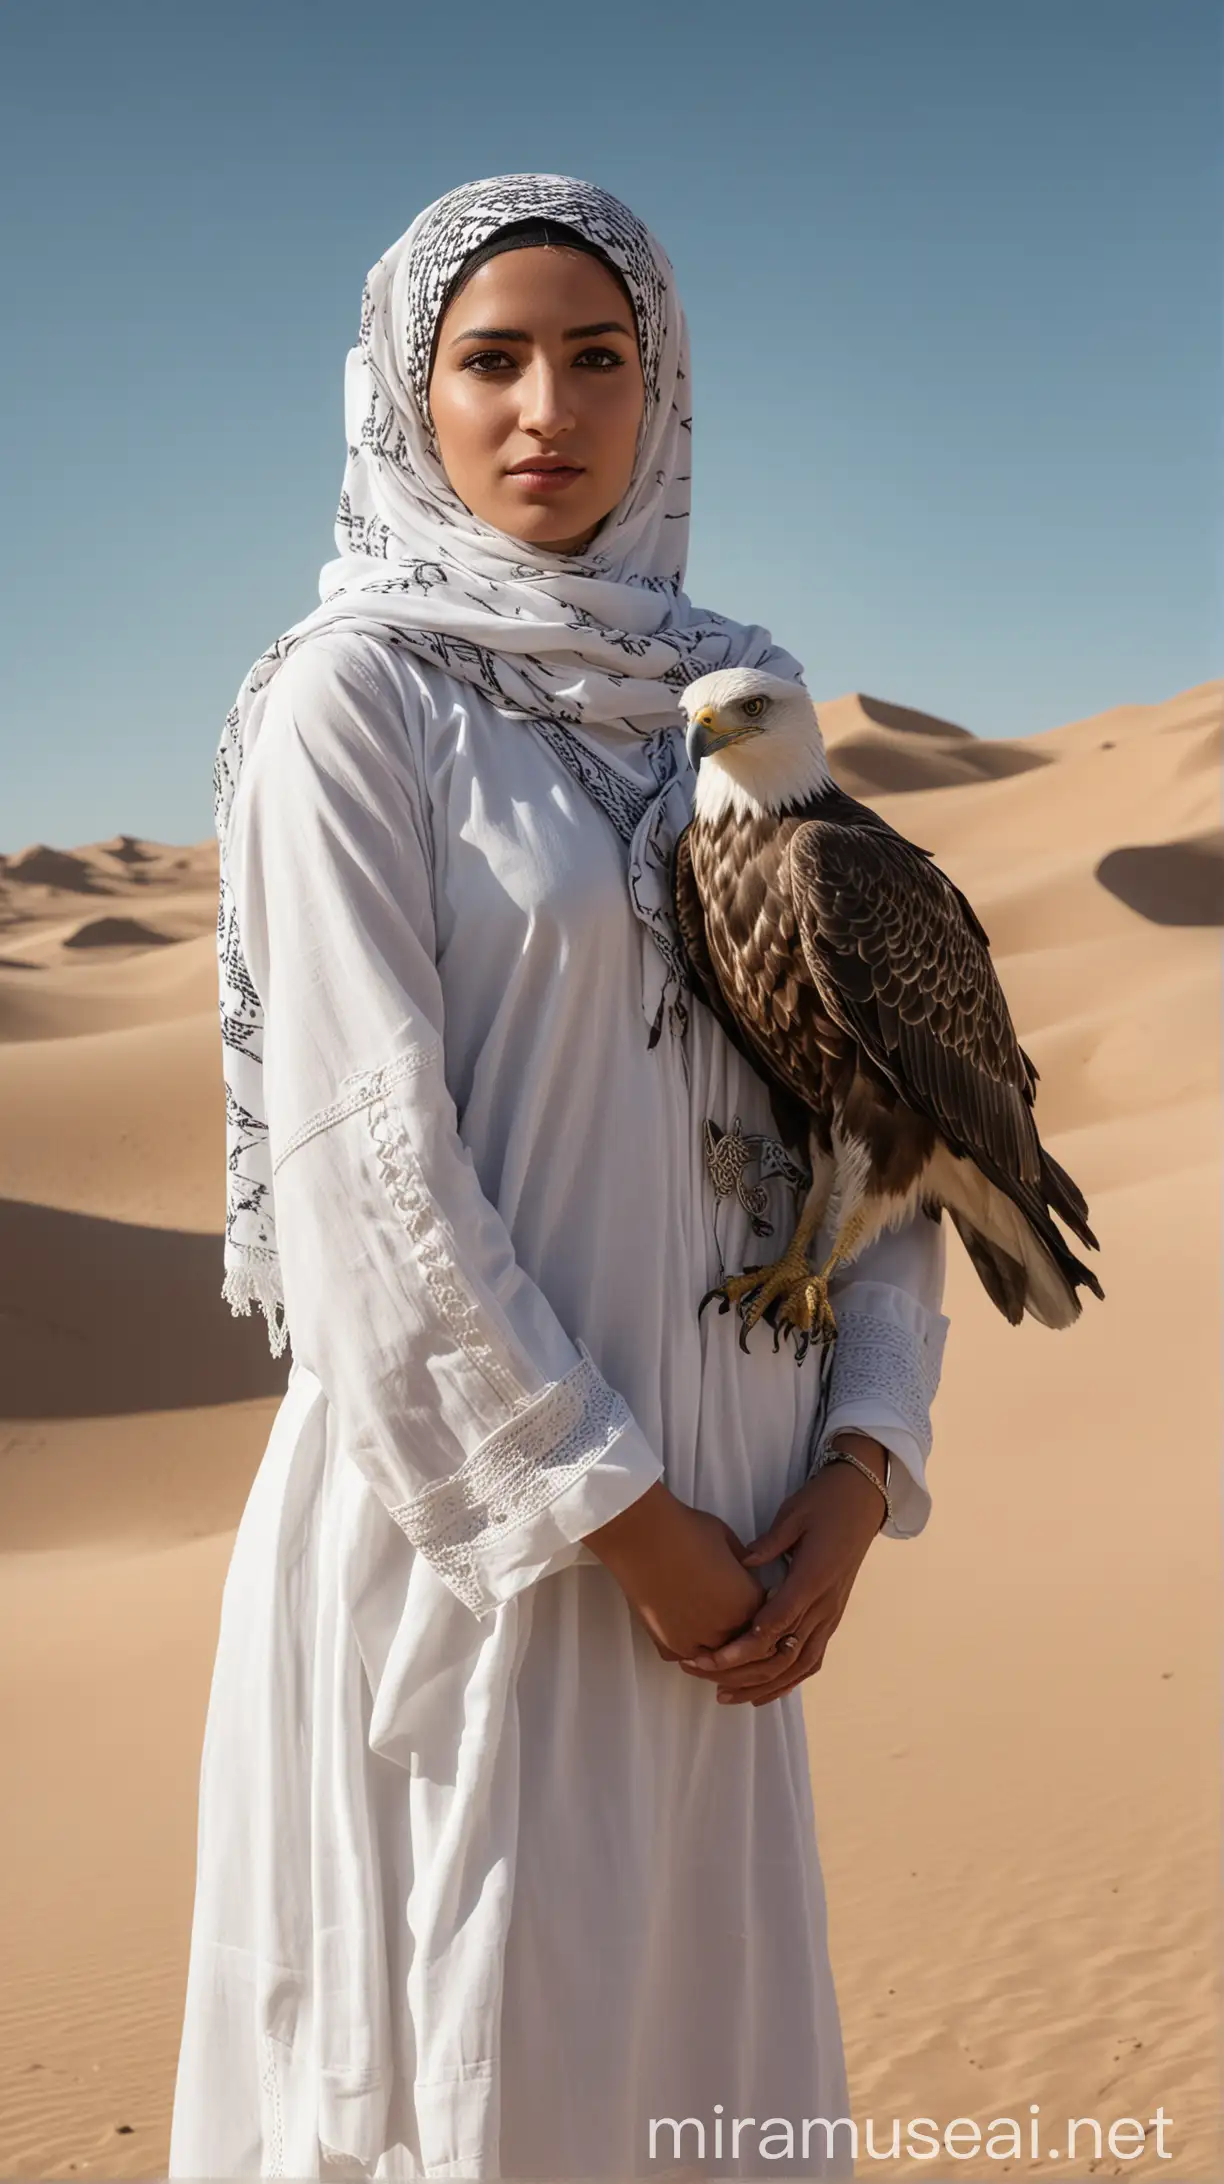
(546, 474)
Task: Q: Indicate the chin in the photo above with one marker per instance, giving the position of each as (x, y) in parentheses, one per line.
(573, 540)
(555, 530)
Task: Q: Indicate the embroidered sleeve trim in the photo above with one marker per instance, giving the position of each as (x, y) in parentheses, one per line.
(514, 1475)
(879, 1360)
(453, 1296)
(403, 1178)
(274, 2157)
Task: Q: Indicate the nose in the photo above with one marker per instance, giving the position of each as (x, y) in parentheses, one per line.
(545, 409)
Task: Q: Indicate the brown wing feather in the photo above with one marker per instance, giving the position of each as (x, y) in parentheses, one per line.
(690, 917)
(791, 1114)
(900, 966)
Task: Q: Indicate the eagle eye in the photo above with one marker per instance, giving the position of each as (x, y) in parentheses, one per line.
(753, 708)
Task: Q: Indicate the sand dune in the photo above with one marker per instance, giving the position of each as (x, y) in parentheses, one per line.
(1014, 1738)
(882, 749)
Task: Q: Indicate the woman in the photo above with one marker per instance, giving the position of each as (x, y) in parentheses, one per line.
(500, 1861)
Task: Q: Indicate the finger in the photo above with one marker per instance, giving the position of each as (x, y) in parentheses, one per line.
(781, 1615)
(705, 1659)
(812, 1668)
(780, 1536)
(769, 1654)
(714, 1665)
(790, 1606)
(793, 1670)
(778, 1667)
(734, 1542)
(780, 1691)
(754, 1644)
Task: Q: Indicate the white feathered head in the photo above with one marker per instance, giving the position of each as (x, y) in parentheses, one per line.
(755, 742)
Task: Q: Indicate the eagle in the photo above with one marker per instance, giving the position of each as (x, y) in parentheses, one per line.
(856, 978)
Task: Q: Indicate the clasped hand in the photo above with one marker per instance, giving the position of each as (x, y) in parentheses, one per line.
(695, 1585)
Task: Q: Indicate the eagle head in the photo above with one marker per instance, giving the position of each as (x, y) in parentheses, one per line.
(755, 742)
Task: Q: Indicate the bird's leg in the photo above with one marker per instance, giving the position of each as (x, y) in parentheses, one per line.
(846, 1241)
(799, 1298)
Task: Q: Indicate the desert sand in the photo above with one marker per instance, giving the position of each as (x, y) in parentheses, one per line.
(1015, 1737)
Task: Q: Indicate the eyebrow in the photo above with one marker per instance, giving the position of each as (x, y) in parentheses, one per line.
(514, 333)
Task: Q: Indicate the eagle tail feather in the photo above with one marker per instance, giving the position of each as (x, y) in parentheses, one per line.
(1015, 1246)
(1066, 1199)
(1002, 1277)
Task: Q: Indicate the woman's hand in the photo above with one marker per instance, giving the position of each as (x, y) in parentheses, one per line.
(825, 1530)
(681, 1569)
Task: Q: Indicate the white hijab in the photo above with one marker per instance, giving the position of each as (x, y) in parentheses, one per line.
(601, 641)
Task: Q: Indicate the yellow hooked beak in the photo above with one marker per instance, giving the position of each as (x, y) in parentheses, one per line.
(701, 736)
(706, 734)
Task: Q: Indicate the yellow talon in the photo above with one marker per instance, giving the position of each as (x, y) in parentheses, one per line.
(795, 1298)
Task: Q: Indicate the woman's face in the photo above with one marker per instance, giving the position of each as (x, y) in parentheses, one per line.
(537, 395)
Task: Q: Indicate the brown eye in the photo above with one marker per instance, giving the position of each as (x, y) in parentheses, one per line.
(753, 708)
(485, 361)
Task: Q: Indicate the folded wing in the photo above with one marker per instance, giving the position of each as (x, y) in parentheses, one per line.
(902, 962)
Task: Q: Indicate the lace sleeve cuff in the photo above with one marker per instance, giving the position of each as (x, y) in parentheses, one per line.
(886, 1370)
(564, 1463)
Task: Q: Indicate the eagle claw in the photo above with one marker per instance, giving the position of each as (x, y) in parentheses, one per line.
(788, 1295)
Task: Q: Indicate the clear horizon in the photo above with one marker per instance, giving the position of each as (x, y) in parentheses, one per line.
(954, 283)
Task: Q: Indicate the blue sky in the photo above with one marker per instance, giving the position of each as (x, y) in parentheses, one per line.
(952, 267)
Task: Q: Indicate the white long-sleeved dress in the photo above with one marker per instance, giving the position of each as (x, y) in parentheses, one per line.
(484, 1886)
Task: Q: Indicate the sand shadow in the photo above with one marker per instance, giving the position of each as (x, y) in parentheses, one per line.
(1170, 883)
(42, 866)
(100, 1318)
(984, 754)
(117, 933)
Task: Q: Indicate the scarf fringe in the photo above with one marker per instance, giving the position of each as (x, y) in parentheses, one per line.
(250, 1280)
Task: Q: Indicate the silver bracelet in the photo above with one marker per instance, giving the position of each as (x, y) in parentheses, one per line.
(846, 1456)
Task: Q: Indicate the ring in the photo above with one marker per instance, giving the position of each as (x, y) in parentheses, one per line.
(790, 1641)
